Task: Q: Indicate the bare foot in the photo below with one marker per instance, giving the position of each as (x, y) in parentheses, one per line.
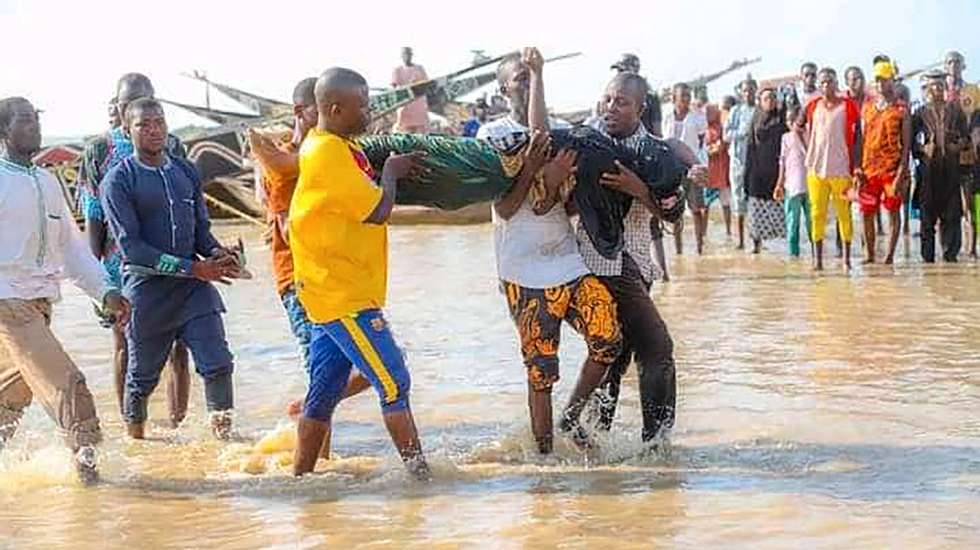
(419, 469)
(868, 261)
(889, 260)
(135, 431)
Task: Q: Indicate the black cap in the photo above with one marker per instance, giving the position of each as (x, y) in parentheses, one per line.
(628, 62)
(935, 74)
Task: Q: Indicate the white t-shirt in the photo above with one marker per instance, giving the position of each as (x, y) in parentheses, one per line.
(532, 251)
(690, 130)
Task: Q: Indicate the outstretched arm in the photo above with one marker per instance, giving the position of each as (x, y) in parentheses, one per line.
(537, 112)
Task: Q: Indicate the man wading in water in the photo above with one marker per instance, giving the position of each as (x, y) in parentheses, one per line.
(630, 274)
(339, 240)
(156, 210)
(541, 271)
(39, 246)
(101, 155)
(280, 171)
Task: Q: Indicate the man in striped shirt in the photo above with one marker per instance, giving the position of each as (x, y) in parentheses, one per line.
(630, 274)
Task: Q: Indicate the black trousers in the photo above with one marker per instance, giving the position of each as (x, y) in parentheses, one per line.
(645, 338)
(948, 211)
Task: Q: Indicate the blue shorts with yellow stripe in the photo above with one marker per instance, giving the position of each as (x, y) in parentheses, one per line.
(363, 341)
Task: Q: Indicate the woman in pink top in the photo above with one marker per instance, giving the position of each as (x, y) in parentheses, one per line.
(414, 117)
(791, 188)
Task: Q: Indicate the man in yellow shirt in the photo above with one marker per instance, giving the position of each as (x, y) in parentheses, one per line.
(339, 241)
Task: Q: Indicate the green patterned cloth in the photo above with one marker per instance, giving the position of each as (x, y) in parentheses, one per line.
(464, 171)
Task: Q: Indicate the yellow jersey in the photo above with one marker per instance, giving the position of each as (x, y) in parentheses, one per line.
(341, 262)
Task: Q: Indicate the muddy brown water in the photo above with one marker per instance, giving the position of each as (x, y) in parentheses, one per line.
(838, 410)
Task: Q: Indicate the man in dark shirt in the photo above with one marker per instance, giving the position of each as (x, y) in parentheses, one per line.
(156, 210)
(101, 155)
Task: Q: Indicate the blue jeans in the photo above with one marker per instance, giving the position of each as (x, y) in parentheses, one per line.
(794, 206)
(299, 324)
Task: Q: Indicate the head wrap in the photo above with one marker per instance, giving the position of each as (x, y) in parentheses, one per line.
(628, 63)
(884, 70)
(953, 54)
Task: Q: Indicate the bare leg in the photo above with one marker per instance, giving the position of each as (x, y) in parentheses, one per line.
(869, 238)
(756, 246)
(325, 447)
(323, 430)
(726, 212)
(700, 220)
(310, 435)
(178, 383)
(589, 379)
(879, 224)
(120, 360)
(741, 232)
(895, 227)
(539, 404)
(405, 436)
(661, 257)
(969, 218)
(679, 236)
(847, 255)
(355, 385)
(818, 266)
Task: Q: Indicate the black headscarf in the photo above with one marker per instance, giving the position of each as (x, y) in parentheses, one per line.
(762, 168)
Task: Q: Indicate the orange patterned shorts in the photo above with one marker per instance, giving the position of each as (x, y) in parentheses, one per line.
(586, 304)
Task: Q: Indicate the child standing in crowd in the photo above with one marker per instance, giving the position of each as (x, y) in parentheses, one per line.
(718, 187)
(791, 188)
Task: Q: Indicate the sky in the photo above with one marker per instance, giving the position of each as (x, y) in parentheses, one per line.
(66, 56)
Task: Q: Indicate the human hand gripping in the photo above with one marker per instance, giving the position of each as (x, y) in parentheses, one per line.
(779, 193)
(219, 268)
(117, 307)
(533, 59)
(405, 166)
(626, 181)
(559, 169)
(536, 152)
(698, 174)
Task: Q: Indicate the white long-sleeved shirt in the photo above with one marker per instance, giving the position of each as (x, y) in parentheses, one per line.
(39, 242)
